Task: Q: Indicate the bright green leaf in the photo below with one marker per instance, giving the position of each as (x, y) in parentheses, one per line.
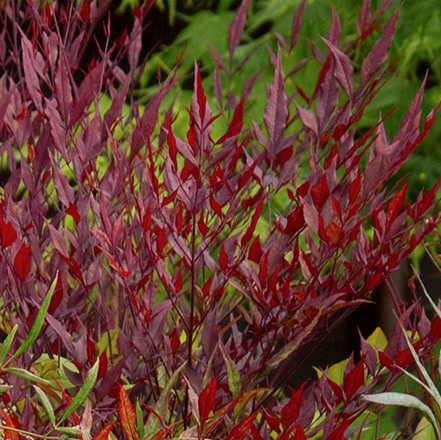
(84, 391)
(25, 374)
(39, 320)
(46, 404)
(7, 343)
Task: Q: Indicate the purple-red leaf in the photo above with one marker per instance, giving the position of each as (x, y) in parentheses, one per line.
(206, 401)
(297, 24)
(236, 28)
(22, 262)
(276, 110)
(377, 56)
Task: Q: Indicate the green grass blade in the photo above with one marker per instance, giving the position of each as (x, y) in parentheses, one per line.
(39, 320)
(84, 391)
(46, 404)
(25, 374)
(7, 343)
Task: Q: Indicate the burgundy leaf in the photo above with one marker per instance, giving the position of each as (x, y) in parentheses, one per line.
(320, 192)
(32, 82)
(377, 56)
(344, 72)
(276, 110)
(241, 430)
(308, 119)
(354, 379)
(236, 28)
(8, 234)
(297, 24)
(22, 262)
(206, 401)
(63, 91)
(334, 33)
(135, 44)
(364, 18)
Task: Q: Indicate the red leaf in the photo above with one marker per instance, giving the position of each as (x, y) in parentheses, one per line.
(73, 211)
(240, 431)
(104, 433)
(174, 341)
(9, 435)
(295, 221)
(320, 192)
(290, 412)
(354, 188)
(300, 434)
(354, 379)
(171, 141)
(395, 206)
(147, 220)
(161, 241)
(338, 433)
(255, 253)
(8, 235)
(85, 11)
(206, 401)
(207, 287)
(22, 262)
(102, 369)
(178, 281)
(56, 297)
(235, 30)
(235, 126)
(255, 218)
(333, 232)
(203, 228)
(215, 206)
(127, 415)
(223, 259)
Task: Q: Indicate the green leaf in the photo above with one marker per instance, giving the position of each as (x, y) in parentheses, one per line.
(46, 404)
(84, 391)
(7, 343)
(25, 374)
(139, 420)
(233, 374)
(4, 388)
(39, 320)
(161, 406)
(69, 430)
(407, 401)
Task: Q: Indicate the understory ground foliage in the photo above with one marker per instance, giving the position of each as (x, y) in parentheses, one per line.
(155, 279)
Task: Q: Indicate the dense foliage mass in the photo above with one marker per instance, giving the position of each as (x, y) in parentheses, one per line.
(156, 278)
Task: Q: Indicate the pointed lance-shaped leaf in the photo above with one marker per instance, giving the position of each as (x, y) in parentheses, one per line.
(343, 71)
(104, 433)
(276, 110)
(236, 28)
(377, 56)
(297, 24)
(206, 401)
(83, 392)
(127, 415)
(39, 320)
(8, 423)
(22, 262)
(240, 431)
